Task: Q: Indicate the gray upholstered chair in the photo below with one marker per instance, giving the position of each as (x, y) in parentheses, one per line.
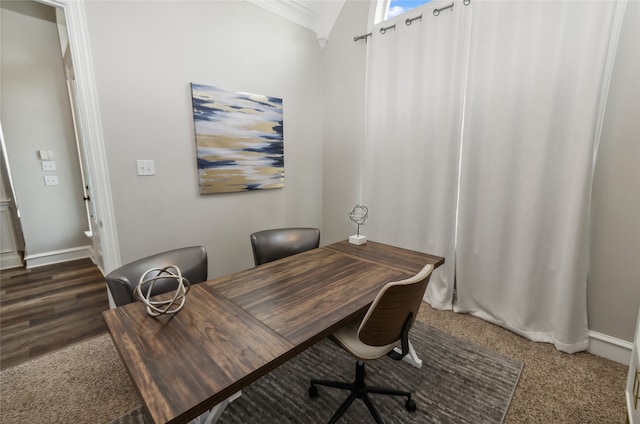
(386, 323)
(192, 262)
(270, 245)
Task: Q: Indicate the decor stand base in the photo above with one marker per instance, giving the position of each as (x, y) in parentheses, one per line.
(358, 239)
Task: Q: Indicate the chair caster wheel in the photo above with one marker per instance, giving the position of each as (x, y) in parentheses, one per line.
(410, 405)
(313, 391)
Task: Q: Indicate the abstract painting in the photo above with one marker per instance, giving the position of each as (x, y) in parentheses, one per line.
(239, 140)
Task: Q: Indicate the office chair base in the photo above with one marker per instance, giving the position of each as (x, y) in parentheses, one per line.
(359, 390)
(412, 357)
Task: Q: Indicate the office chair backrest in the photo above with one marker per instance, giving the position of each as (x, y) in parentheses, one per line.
(192, 262)
(270, 245)
(395, 307)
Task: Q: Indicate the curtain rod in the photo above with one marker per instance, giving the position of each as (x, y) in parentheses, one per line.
(362, 37)
(383, 30)
(409, 21)
(436, 12)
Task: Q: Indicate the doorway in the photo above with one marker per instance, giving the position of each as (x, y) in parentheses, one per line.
(39, 136)
(11, 235)
(104, 235)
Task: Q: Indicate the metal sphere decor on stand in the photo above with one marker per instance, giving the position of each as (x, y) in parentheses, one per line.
(168, 306)
(359, 214)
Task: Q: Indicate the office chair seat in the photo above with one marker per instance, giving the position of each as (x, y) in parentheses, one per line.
(347, 338)
(386, 323)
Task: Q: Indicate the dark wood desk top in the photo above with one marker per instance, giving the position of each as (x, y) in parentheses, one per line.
(390, 256)
(210, 347)
(236, 328)
(310, 295)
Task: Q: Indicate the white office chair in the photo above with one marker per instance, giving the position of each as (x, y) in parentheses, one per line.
(387, 322)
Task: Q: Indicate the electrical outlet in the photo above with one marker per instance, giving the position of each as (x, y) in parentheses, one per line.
(51, 180)
(48, 165)
(146, 167)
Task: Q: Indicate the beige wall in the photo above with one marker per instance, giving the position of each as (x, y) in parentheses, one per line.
(145, 54)
(614, 281)
(344, 76)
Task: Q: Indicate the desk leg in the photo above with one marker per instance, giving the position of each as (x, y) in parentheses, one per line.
(411, 357)
(212, 415)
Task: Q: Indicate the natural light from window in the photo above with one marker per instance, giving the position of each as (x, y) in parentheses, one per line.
(398, 7)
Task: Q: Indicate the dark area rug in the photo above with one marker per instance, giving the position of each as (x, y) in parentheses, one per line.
(459, 382)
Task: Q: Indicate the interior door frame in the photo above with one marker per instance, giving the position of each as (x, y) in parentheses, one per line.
(80, 140)
(89, 115)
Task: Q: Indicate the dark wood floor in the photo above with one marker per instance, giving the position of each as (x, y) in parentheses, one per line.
(48, 308)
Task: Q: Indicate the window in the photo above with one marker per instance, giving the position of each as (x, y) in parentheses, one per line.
(398, 7)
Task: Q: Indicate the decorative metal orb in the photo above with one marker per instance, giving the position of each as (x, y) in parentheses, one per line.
(168, 306)
(359, 214)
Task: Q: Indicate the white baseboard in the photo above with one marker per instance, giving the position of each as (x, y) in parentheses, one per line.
(50, 258)
(9, 260)
(617, 350)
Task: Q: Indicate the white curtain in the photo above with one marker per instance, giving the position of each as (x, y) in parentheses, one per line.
(415, 80)
(481, 134)
(535, 95)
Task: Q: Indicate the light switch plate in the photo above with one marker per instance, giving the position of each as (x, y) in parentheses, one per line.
(45, 154)
(146, 167)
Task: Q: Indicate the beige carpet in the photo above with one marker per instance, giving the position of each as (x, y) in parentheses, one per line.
(72, 388)
(554, 387)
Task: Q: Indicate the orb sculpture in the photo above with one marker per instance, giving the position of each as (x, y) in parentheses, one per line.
(174, 302)
(359, 214)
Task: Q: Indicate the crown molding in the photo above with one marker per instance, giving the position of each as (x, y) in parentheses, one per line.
(318, 16)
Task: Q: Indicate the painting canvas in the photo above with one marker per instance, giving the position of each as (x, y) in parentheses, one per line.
(239, 140)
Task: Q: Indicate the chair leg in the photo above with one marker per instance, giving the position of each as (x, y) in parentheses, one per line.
(372, 409)
(359, 390)
(343, 408)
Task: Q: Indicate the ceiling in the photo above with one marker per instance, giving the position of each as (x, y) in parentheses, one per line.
(315, 15)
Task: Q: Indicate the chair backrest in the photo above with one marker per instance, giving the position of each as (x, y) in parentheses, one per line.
(270, 245)
(395, 307)
(192, 262)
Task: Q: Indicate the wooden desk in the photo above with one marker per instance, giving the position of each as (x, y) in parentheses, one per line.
(237, 328)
